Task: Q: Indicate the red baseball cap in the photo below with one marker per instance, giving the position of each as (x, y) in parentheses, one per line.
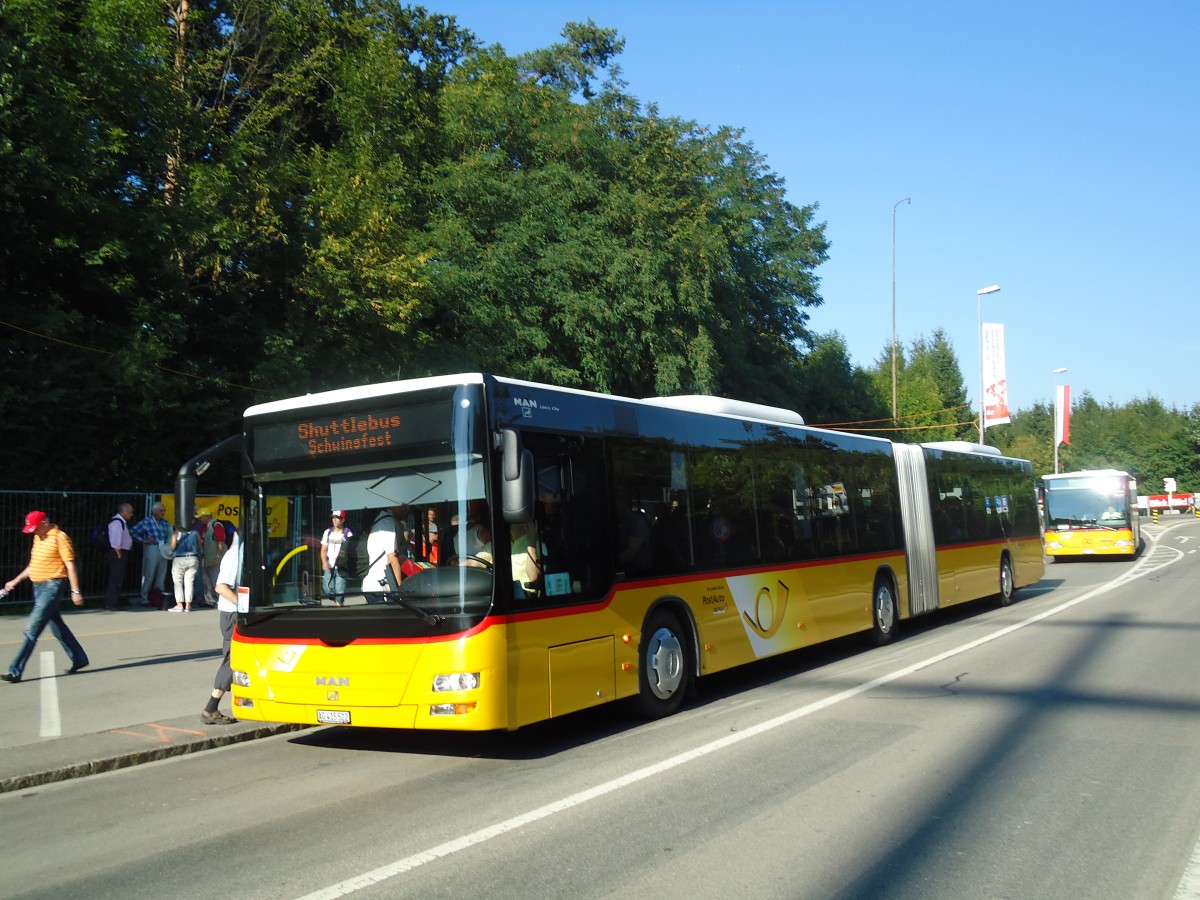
(338, 514)
(33, 520)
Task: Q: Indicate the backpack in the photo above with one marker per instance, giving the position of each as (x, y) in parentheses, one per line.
(188, 544)
(99, 539)
(352, 560)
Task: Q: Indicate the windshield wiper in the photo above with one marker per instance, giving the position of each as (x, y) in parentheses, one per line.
(427, 617)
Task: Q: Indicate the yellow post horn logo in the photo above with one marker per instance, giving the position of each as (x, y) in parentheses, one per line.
(768, 615)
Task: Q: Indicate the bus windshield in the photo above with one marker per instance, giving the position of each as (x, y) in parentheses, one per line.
(375, 523)
(1093, 504)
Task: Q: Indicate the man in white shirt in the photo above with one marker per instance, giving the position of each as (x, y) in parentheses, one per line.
(119, 544)
(228, 578)
(382, 554)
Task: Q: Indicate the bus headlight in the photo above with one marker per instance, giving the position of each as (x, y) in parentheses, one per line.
(1053, 545)
(240, 678)
(455, 681)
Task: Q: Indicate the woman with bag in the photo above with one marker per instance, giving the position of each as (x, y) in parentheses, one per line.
(332, 546)
(184, 566)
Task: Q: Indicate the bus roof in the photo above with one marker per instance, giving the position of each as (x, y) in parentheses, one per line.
(722, 407)
(362, 392)
(700, 403)
(964, 447)
(1084, 473)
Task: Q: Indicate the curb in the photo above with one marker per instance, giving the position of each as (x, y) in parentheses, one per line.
(126, 760)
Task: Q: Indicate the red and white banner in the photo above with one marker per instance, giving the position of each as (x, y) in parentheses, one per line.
(1062, 414)
(1171, 501)
(995, 384)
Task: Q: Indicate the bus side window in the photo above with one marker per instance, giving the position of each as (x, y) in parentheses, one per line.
(650, 507)
(570, 545)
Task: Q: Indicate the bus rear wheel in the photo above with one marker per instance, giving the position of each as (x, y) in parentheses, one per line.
(1008, 584)
(663, 666)
(884, 618)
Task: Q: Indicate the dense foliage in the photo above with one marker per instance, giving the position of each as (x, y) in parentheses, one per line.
(210, 203)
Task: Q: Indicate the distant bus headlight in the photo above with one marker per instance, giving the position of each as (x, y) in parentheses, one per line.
(240, 678)
(456, 681)
(1053, 545)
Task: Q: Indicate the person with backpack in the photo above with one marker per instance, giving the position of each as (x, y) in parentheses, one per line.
(383, 571)
(212, 548)
(333, 557)
(185, 566)
(117, 553)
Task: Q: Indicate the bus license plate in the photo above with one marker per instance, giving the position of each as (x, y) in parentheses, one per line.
(333, 716)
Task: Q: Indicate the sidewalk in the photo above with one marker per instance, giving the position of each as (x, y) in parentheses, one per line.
(139, 700)
(89, 754)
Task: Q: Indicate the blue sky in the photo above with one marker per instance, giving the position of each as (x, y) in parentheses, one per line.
(1052, 148)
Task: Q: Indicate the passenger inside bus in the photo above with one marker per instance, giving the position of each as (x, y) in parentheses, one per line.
(383, 568)
(526, 570)
(634, 547)
(473, 545)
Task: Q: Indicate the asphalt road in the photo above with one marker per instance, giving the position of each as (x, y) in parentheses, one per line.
(1044, 750)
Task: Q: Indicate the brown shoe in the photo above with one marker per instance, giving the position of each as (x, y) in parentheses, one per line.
(216, 718)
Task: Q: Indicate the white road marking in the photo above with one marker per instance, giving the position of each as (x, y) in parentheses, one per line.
(51, 716)
(1144, 565)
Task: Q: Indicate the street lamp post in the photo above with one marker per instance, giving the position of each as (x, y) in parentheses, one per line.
(894, 206)
(1054, 424)
(990, 289)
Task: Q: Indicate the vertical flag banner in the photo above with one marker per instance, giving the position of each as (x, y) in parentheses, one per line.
(1062, 415)
(995, 384)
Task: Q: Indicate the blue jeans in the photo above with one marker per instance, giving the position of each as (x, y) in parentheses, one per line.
(45, 612)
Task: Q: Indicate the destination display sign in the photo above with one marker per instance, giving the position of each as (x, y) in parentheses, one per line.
(337, 436)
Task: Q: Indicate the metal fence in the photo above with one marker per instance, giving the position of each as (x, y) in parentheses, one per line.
(77, 513)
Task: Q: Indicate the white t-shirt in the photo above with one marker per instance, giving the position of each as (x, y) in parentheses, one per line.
(230, 572)
(380, 542)
(332, 542)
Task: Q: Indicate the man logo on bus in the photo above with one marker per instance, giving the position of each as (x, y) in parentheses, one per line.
(768, 615)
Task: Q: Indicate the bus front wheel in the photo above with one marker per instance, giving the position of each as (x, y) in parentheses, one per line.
(1007, 582)
(663, 666)
(884, 618)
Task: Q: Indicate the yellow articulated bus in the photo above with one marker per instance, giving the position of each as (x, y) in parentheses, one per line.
(1091, 513)
(507, 552)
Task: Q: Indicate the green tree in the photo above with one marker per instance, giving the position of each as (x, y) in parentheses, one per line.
(931, 395)
(207, 203)
(833, 391)
(1030, 436)
(604, 247)
(83, 236)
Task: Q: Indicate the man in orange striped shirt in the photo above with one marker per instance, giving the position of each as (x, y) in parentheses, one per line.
(50, 562)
